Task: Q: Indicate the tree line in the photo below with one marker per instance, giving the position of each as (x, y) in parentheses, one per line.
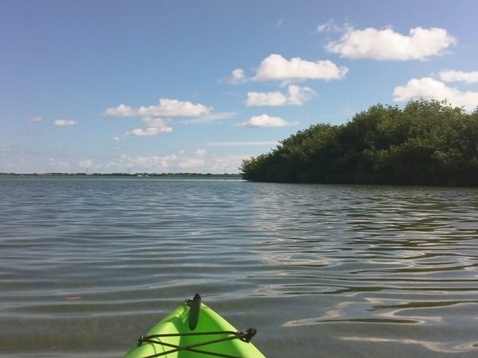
(428, 142)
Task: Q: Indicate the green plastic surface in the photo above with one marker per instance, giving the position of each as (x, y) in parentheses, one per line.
(178, 322)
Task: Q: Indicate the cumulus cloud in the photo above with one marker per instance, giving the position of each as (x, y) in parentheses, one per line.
(266, 99)
(299, 95)
(174, 108)
(120, 111)
(265, 120)
(65, 122)
(386, 44)
(154, 126)
(166, 108)
(152, 117)
(277, 68)
(459, 76)
(296, 96)
(429, 88)
(237, 77)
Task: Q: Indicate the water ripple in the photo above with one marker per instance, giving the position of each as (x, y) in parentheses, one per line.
(342, 269)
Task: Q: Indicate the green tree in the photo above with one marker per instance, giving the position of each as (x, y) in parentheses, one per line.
(425, 143)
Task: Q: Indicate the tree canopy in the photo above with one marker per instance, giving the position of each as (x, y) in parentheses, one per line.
(425, 143)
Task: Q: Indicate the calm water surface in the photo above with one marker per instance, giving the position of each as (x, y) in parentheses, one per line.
(88, 264)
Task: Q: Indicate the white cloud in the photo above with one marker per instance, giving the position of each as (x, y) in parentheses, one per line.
(266, 99)
(174, 108)
(87, 163)
(148, 163)
(237, 77)
(386, 44)
(296, 96)
(35, 119)
(201, 152)
(157, 123)
(5, 147)
(120, 111)
(199, 160)
(209, 118)
(154, 126)
(265, 120)
(140, 132)
(459, 76)
(195, 163)
(153, 163)
(331, 26)
(58, 164)
(151, 116)
(277, 68)
(192, 163)
(65, 122)
(212, 163)
(299, 95)
(166, 108)
(429, 88)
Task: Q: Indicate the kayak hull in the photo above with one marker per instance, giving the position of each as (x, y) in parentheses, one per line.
(211, 335)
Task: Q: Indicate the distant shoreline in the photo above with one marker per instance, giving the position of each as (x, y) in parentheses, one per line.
(128, 175)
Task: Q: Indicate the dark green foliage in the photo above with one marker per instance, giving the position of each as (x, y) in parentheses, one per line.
(425, 143)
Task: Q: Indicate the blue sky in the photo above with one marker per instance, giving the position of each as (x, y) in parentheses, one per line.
(198, 86)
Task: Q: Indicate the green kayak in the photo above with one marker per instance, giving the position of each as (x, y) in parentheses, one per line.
(195, 330)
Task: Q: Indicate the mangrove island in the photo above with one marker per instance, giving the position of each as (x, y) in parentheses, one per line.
(427, 142)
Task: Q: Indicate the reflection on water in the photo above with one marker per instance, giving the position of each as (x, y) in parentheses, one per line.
(88, 264)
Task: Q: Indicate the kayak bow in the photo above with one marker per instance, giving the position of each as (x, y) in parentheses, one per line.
(195, 330)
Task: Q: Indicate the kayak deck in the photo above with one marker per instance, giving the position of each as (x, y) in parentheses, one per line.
(194, 330)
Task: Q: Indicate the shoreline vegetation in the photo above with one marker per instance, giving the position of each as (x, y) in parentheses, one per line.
(428, 142)
(133, 175)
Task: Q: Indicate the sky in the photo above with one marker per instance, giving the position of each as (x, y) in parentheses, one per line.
(176, 86)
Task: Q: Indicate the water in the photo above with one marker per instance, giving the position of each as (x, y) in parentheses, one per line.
(88, 264)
